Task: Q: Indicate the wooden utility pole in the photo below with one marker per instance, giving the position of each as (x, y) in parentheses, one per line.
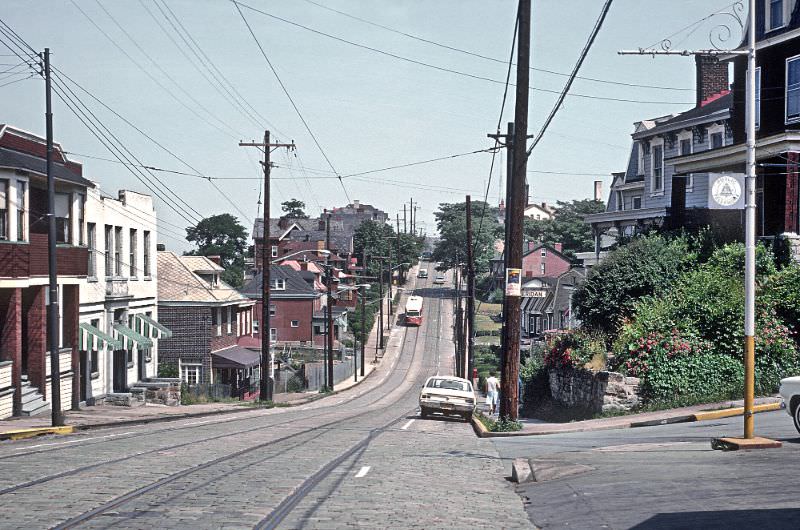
(411, 215)
(405, 226)
(267, 383)
(56, 416)
(509, 399)
(470, 334)
(329, 272)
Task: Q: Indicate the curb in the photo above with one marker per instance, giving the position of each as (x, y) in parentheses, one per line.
(480, 428)
(22, 434)
(736, 411)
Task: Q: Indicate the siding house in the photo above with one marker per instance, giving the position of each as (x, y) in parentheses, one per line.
(25, 377)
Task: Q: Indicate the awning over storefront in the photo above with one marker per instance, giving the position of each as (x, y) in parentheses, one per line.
(131, 338)
(235, 357)
(149, 327)
(92, 339)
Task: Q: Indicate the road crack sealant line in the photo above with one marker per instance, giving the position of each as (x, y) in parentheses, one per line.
(91, 514)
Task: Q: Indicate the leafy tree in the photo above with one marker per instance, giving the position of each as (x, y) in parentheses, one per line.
(567, 226)
(221, 235)
(451, 221)
(379, 240)
(294, 209)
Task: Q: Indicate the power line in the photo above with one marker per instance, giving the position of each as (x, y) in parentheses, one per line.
(285, 91)
(584, 53)
(445, 69)
(485, 57)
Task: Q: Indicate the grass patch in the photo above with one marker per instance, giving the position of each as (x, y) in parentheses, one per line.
(501, 425)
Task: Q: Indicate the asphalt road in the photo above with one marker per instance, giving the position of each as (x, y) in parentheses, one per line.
(663, 477)
(361, 458)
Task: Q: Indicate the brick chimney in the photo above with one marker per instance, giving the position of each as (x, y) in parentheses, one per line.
(283, 223)
(598, 190)
(559, 247)
(711, 77)
(216, 259)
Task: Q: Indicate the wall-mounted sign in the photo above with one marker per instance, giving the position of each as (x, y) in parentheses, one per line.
(534, 293)
(513, 282)
(726, 191)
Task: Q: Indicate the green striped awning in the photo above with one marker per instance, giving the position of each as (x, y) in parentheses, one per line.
(150, 327)
(131, 338)
(92, 339)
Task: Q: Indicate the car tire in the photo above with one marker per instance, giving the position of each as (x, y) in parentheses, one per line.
(467, 417)
(423, 412)
(796, 414)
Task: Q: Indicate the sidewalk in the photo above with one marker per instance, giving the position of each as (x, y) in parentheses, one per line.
(533, 427)
(113, 416)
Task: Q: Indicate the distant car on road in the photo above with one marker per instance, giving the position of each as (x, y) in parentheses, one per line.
(447, 395)
(790, 392)
(423, 273)
(439, 280)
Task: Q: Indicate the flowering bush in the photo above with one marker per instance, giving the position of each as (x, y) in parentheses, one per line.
(639, 354)
(573, 349)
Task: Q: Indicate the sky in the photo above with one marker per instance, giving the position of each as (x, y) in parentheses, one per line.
(367, 102)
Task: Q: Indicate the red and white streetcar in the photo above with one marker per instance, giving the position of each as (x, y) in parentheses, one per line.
(413, 316)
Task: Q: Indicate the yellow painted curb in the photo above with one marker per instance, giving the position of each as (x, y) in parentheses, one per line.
(480, 428)
(736, 411)
(22, 434)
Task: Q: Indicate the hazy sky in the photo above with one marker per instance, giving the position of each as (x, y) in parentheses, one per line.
(367, 110)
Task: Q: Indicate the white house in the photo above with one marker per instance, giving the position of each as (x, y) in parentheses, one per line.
(119, 327)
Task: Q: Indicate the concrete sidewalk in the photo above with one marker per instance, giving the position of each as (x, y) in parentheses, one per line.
(533, 427)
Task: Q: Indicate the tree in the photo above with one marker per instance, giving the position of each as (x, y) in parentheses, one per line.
(451, 221)
(567, 226)
(294, 209)
(221, 235)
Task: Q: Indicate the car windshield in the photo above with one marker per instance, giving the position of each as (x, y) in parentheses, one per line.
(449, 384)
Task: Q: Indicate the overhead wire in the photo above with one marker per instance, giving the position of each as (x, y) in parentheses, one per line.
(446, 69)
(286, 92)
(488, 58)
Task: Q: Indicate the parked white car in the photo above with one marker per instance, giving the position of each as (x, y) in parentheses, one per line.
(447, 395)
(790, 392)
(439, 280)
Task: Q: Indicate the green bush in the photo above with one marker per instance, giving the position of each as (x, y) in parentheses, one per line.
(168, 370)
(535, 381)
(645, 266)
(574, 349)
(782, 291)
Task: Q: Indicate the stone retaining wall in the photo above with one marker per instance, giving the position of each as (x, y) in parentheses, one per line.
(161, 390)
(593, 392)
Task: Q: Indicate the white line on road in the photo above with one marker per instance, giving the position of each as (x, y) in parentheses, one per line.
(363, 472)
(77, 440)
(407, 425)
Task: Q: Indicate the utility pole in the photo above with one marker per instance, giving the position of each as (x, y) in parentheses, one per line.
(390, 301)
(470, 293)
(267, 383)
(509, 380)
(400, 270)
(405, 227)
(380, 304)
(56, 416)
(411, 215)
(330, 302)
(363, 330)
(458, 325)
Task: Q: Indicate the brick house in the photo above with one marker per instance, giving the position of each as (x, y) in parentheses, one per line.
(544, 261)
(25, 378)
(208, 319)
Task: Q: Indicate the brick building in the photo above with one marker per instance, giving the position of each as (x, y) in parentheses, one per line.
(24, 359)
(544, 261)
(208, 319)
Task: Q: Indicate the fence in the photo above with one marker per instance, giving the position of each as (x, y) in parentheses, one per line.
(206, 391)
(315, 372)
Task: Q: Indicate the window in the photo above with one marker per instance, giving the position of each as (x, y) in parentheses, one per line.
(273, 334)
(81, 219)
(94, 355)
(775, 14)
(620, 202)
(295, 323)
(758, 97)
(686, 149)
(4, 209)
(636, 203)
(658, 167)
(190, 373)
(109, 261)
(640, 165)
(215, 321)
(62, 207)
(220, 318)
(132, 254)
(542, 267)
(146, 249)
(22, 210)
(229, 319)
(274, 251)
(255, 326)
(544, 252)
(92, 242)
(272, 310)
(793, 89)
(279, 284)
(118, 251)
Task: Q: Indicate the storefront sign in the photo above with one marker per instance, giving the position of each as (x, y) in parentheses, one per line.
(534, 293)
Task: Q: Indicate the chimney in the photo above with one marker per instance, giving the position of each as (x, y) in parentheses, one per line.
(544, 206)
(283, 223)
(216, 259)
(712, 77)
(531, 244)
(355, 204)
(598, 190)
(558, 247)
(160, 247)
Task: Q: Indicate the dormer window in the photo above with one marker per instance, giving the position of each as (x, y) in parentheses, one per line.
(776, 14)
(278, 284)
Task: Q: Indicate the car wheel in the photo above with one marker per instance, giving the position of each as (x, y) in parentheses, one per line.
(467, 417)
(423, 412)
(796, 414)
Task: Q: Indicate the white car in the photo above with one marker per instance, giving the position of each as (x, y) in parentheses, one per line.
(447, 395)
(790, 392)
(439, 280)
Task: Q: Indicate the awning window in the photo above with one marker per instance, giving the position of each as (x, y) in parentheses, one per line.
(92, 339)
(130, 338)
(150, 328)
